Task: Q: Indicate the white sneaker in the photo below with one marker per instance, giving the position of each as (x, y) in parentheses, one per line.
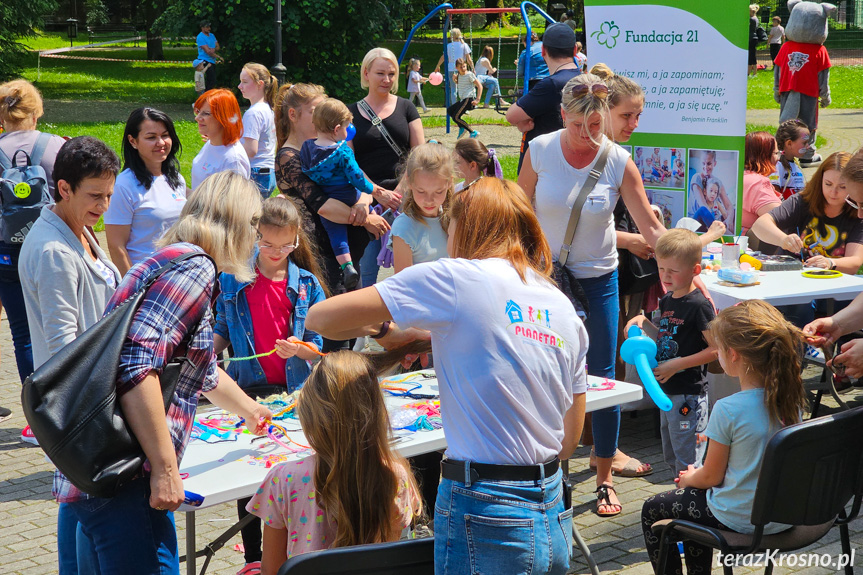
(28, 437)
(813, 353)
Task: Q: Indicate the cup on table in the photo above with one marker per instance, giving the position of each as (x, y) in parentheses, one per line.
(744, 244)
(731, 256)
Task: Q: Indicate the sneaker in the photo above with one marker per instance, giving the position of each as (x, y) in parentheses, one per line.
(807, 162)
(351, 277)
(461, 132)
(28, 437)
(474, 134)
(5, 413)
(814, 354)
(253, 568)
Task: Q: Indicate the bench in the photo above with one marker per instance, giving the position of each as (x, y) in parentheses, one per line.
(96, 33)
(511, 92)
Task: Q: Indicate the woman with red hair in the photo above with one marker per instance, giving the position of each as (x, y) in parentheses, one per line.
(759, 196)
(217, 113)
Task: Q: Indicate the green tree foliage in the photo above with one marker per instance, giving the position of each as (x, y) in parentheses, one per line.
(18, 19)
(324, 41)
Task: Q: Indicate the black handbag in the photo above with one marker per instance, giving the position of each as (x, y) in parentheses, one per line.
(634, 275)
(566, 282)
(71, 403)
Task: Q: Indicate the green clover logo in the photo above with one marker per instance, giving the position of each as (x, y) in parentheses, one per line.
(607, 34)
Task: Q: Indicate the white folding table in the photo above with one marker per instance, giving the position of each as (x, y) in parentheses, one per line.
(224, 472)
(784, 288)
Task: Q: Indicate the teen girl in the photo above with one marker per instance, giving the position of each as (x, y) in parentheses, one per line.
(473, 161)
(792, 138)
(468, 91)
(419, 233)
(267, 314)
(337, 497)
(260, 87)
(760, 347)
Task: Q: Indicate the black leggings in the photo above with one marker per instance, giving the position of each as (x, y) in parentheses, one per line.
(251, 533)
(457, 110)
(689, 504)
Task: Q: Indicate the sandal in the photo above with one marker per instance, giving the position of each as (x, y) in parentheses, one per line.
(253, 568)
(629, 469)
(602, 499)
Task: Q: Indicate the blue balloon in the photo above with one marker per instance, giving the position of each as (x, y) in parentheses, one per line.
(352, 131)
(640, 351)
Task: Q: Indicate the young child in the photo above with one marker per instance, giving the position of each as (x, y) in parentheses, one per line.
(666, 170)
(792, 139)
(330, 162)
(415, 82)
(468, 92)
(474, 161)
(580, 57)
(657, 159)
(678, 169)
(711, 194)
(639, 158)
(681, 347)
(339, 496)
(269, 313)
(419, 234)
(200, 70)
(756, 344)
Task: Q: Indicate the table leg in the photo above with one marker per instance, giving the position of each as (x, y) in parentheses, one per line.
(190, 543)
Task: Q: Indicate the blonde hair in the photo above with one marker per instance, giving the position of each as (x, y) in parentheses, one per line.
(293, 97)
(331, 113)
(753, 9)
(455, 34)
(619, 87)
(370, 58)
(260, 73)
(434, 159)
(679, 244)
(602, 70)
(770, 347)
(342, 411)
(19, 100)
(220, 216)
(586, 105)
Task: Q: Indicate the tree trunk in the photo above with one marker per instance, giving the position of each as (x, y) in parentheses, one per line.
(491, 19)
(154, 46)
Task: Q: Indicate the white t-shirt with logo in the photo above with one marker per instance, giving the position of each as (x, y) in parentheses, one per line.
(259, 124)
(214, 159)
(454, 51)
(509, 356)
(149, 213)
(788, 182)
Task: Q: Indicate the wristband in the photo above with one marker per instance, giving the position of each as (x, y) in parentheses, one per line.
(385, 328)
(832, 264)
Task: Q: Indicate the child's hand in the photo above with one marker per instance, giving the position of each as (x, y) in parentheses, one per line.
(258, 419)
(474, 102)
(683, 478)
(664, 371)
(637, 320)
(287, 349)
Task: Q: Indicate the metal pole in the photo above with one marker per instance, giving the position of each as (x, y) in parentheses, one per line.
(278, 69)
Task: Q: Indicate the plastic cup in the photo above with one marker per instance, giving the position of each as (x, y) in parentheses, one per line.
(744, 244)
(730, 255)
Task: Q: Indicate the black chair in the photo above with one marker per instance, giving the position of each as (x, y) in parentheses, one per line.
(413, 557)
(810, 472)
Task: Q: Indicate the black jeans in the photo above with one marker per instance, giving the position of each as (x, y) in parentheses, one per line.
(210, 77)
(251, 533)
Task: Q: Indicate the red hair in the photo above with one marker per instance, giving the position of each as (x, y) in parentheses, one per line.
(758, 153)
(226, 110)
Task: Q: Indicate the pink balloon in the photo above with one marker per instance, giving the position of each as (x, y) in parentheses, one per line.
(435, 78)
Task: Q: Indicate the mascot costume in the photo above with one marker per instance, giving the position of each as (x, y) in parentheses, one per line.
(801, 71)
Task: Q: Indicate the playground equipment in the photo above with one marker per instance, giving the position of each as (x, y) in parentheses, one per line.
(449, 11)
(640, 351)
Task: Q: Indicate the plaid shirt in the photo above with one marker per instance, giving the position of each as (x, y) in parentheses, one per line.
(176, 303)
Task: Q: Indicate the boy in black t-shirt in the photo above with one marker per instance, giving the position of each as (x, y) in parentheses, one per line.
(681, 348)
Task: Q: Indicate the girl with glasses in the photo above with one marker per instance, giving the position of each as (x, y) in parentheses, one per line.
(268, 313)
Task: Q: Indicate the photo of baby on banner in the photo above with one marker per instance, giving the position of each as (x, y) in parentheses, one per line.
(712, 187)
(661, 167)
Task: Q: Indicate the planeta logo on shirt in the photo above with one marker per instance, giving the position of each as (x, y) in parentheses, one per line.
(536, 326)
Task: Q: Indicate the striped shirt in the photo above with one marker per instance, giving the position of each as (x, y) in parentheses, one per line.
(176, 303)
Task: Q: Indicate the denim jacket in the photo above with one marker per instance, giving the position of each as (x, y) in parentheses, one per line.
(234, 323)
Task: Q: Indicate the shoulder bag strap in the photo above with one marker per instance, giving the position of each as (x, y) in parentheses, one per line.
(5, 162)
(364, 106)
(39, 149)
(575, 214)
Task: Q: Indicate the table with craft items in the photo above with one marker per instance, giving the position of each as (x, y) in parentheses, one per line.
(223, 463)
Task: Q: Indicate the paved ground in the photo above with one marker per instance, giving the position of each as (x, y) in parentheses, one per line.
(28, 514)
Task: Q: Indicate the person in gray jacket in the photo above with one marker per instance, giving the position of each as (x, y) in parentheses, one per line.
(66, 278)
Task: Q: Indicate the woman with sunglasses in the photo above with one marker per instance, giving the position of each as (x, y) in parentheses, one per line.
(267, 314)
(217, 114)
(556, 167)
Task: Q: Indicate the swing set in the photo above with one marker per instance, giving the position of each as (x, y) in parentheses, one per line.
(449, 11)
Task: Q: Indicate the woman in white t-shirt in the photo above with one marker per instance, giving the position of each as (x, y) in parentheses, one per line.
(556, 166)
(485, 72)
(509, 356)
(457, 48)
(217, 114)
(150, 191)
(260, 87)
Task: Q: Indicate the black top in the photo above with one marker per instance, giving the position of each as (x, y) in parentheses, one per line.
(374, 155)
(681, 322)
(542, 103)
(822, 235)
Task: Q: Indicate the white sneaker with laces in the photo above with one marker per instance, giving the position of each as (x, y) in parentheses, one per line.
(28, 437)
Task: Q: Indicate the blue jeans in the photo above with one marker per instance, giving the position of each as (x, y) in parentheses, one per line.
(502, 527)
(13, 300)
(369, 263)
(265, 182)
(491, 85)
(129, 536)
(602, 297)
(75, 552)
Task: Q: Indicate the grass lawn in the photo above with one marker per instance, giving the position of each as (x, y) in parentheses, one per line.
(845, 89)
(52, 40)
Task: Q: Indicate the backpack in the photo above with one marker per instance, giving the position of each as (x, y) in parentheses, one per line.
(23, 191)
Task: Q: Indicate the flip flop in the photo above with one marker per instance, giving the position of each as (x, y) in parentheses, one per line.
(602, 499)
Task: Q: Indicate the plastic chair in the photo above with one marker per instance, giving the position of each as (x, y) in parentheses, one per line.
(809, 473)
(414, 556)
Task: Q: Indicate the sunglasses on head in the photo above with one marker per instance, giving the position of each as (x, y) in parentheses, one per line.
(597, 90)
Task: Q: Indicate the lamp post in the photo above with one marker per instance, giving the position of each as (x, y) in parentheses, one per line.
(278, 69)
(72, 30)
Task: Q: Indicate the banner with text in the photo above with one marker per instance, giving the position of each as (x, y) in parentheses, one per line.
(690, 57)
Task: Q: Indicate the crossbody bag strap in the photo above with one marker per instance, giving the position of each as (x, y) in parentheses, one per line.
(39, 148)
(575, 214)
(376, 121)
